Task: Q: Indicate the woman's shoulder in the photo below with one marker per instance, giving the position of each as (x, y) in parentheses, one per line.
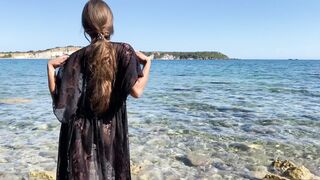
(122, 47)
(78, 53)
(74, 59)
(124, 52)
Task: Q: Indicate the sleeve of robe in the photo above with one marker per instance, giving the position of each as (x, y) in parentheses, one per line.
(68, 89)
(131, 69)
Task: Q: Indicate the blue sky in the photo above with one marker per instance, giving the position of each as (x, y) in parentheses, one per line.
(239, 28)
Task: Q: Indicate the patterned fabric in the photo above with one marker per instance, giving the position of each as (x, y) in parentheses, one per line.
(94, 146)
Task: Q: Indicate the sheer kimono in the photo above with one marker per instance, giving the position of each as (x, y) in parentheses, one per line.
(94, 146)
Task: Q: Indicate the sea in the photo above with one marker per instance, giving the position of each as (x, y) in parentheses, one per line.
(197, 119)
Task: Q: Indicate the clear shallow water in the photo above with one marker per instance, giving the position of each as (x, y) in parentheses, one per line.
(197, 119)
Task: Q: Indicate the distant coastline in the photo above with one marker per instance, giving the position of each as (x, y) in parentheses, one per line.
(200, 55)
(58, 51)
(40, 54)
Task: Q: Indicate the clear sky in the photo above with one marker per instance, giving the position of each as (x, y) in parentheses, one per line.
(239, 28)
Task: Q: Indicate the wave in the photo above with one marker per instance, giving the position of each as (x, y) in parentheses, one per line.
(294, 91)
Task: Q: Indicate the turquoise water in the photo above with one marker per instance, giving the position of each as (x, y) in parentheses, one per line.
(196, 119)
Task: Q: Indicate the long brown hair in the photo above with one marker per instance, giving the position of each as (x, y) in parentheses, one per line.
(97, 21)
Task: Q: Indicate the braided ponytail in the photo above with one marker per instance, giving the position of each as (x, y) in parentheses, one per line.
(97, 21)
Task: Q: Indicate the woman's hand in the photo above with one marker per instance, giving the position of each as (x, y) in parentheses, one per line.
(57, 62)
(143, 59)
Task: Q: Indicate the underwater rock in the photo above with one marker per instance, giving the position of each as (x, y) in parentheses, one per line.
(198, 159)
(255, 146)
(40, 127)
(184, 131)
(274, 177)
(3, 159)
(14, 101)
(48, 154)
(287, 170)
(135, 169)
(184, 160)
(299, 173)
(240, 146)
(216, 177)
(194, 159)
(140, 168)
(282, 166)
(42, 175)
(222, 166)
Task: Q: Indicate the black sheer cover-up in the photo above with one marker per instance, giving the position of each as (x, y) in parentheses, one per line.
(90, 146)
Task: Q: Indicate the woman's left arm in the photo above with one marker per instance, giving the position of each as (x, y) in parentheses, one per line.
(52, 65)
(140, 84)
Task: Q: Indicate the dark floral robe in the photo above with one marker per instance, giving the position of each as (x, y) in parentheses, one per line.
(94, 146)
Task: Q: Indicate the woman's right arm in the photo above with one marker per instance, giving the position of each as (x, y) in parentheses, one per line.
(141, 83)
(52, 65)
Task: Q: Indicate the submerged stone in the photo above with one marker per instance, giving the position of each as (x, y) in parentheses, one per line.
(184, 160)
(240, 146)
(255, 146)
(296, 173)
(198, 159)
(135, 169)
(14, 101)
(41, 175)
(287, 170)
(217, 177)
(194, 159)
(274, 177)
(48, 154)
(3, 160)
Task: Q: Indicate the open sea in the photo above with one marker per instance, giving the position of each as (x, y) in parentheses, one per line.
(196, 119)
